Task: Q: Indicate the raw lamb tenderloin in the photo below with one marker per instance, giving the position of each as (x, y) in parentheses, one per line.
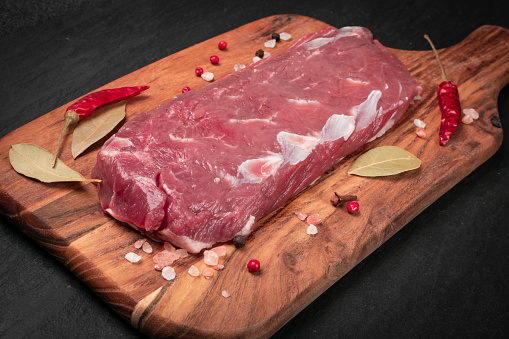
(206, 165)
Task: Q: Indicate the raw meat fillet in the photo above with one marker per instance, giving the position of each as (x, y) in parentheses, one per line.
(206, 165)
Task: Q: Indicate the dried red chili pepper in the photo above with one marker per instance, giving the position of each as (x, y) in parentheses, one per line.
(448, 101)
(89, 103)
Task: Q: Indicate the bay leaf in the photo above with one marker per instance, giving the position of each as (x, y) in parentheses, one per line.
(96, 126)
(35, 162)
(384, 160)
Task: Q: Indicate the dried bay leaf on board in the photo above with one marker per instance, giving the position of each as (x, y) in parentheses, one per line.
(35, 162)
(384, 160)
(96, 126)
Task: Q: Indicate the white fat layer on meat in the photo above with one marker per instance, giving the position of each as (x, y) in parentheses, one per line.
(338, 126)
(174, 138)
(247, 121)
(191, 245)
(366, 112)
(356, 81)
(318, 42)
(119, 143)
(256, 170)
(295, 147)
(348, 31)
(388, 125)
(248, 227)
(303, 101)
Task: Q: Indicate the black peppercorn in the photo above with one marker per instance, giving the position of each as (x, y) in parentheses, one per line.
(276, 36)
(239, 241)
(259, 53)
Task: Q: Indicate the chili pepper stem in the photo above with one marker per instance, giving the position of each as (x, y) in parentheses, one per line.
(444, 75)
(70, 118)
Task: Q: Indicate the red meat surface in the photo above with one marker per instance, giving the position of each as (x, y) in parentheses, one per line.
(206, 165)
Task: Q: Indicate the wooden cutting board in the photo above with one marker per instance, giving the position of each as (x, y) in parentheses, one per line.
(67, 220)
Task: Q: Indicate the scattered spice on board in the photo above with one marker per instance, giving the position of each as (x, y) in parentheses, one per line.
(139, 243)
(222, 45)
(312, 230)
(338, 200)
(253, 266)
(239, 241)
(301, 216)
(448, 101)
(420, 132)
(132, 257)
(225, 294)
(469, 116)
(314, 219)
(207, 76)
(352, 207)
(168, 273)
(193, 271)
(208, 272)
(146, 247)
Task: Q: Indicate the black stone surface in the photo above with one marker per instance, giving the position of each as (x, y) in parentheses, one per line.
(444, 275)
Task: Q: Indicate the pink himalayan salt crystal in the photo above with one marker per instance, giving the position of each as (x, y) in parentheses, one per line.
(218, 267)
(182, 253)
(168, 273)
(301, 216)
(164, 258)
(193, 271)
(225, 293)
(146, 247)
(421, 132)
(314, 219)
(139, 243)
(220, 250)
(169, 247)
(208, 272)
(210, 258)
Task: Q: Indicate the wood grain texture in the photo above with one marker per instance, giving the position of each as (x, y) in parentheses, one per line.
(67, 220)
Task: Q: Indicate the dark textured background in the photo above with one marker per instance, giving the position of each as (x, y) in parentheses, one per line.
(444, 275)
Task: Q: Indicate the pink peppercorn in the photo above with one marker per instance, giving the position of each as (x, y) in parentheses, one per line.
(198, 71)
(186, 89)
(253, 265)
(214, 59)
(221, 44)
(353, 207)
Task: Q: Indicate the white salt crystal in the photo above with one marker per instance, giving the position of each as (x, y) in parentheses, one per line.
(132, 257)
(472, 112)
(285, 36)
(207, 76)
(225, 293)
(238, 66)
(168, 273)
(266, 55)
(216, 180)
(146, 247)
(312, 230)
(419, 123)
(256, 59)
(270, 44)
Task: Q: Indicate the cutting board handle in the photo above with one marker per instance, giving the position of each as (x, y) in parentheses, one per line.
(482, 58)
